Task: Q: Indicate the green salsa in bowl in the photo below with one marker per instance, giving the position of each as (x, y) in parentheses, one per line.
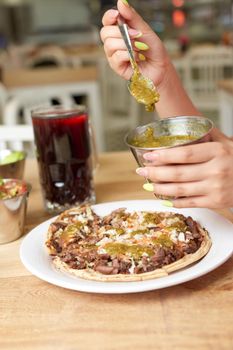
(167, 133)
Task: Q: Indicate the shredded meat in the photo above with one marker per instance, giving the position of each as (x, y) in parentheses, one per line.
(78, 249)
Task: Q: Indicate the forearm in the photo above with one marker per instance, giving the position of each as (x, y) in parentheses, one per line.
(174, 100)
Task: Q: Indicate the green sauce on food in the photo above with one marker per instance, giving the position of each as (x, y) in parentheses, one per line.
(164, 241)
(148, 140)
(69, 233)
(134, 250)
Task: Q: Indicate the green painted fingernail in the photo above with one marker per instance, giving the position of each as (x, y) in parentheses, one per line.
(141, 46)
(141, 57)
(167, 204)
(125, 2)
(148, 187)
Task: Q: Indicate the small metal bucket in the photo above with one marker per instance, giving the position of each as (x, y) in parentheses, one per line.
(198, 127)
(13, 170)
(12, 215)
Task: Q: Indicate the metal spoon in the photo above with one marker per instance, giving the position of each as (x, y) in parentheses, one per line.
(140, 87)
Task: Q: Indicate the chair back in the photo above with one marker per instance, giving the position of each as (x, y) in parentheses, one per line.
(120, 110)
(39, 87)
(207, 66)
(18, 108)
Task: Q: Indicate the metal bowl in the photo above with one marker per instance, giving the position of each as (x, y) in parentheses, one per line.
(198, 127)
(13, 214)
(14, 169)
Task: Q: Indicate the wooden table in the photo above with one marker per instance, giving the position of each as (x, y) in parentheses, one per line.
(37, 315)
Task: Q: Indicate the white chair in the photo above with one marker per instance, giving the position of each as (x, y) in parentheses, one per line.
(120, 110)
(207, 65)
(23, 100)
(17, 137)
(18, 108)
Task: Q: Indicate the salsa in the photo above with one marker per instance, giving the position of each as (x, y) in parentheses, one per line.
(135, 250)
(142, 91)
(148, 140)
(11, 188)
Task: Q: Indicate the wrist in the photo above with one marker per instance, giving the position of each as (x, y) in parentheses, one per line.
(174, 100)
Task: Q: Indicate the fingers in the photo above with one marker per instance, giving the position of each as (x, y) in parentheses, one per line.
(193, 202)
(114, 32)
(120, 63)
(110, 17)
(173, 173)
(113, 45)
(133, 19)
(180, 190)
(197, 153)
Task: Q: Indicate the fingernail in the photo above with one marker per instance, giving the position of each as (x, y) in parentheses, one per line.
(142, 172)
(114, 13)
(141, 46)
(125, 2)
(135, 33)
(141, 57)
(148, 187)
(167, 204)
(151, 156)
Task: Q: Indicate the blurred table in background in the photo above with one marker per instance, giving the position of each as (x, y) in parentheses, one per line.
(25, 77)
(226, 106)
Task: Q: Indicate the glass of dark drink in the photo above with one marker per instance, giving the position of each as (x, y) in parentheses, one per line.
(64, 154)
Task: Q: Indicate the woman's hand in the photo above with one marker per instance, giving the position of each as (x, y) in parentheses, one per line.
(149, 50)
(152, 58)
(199, 175)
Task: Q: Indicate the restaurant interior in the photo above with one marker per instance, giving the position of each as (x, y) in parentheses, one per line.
(134, 270)
(50, 52)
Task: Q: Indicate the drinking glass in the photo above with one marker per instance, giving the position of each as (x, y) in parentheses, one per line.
(65, 156)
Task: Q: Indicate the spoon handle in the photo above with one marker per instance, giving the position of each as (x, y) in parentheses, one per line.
(125, 35)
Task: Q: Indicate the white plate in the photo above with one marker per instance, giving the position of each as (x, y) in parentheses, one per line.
(36, 259)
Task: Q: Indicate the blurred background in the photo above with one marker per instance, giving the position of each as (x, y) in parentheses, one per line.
(50, 52)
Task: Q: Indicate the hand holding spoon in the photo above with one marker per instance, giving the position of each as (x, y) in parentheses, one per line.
(140, 87)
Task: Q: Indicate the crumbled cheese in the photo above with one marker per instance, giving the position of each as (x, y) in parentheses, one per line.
(104, 240)
(171, 221)
(131, 269)
(181, 237)
(122, 238)
(110, 232)
(102, 251)
(174, 235)
(138, 237)
(73, 213)
(145, 254)
(81, 218)
(86, 229)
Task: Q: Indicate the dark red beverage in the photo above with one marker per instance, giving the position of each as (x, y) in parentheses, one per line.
(64, 156)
